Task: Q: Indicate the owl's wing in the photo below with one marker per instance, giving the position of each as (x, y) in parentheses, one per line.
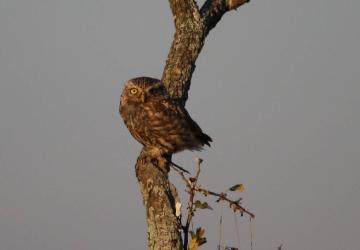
(171, 127)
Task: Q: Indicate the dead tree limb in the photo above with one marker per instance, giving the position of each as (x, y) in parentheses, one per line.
(192, 25)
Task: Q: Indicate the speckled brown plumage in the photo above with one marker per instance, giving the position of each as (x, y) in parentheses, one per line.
(155, 121)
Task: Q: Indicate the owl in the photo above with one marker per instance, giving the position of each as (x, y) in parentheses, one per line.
(158, 123)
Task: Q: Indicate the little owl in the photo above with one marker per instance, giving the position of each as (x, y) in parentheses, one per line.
(154, 120)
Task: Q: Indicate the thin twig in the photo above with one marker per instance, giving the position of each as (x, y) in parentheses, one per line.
(181, 173)
(220, 230)
(234, 204)
(192, 185)
(251, 235)
(198, 165)
(237, 230)
(179, 167)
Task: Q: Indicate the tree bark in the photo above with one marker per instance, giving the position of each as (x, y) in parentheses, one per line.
(159, 200)
(192, 25)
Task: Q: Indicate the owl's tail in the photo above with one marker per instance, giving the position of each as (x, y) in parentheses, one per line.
(204, 139)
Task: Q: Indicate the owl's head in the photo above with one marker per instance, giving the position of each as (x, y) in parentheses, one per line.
(140, 89)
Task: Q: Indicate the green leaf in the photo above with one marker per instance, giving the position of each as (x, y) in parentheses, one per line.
(197, 239)
(193, 244)
(205, 205)
(197, 204)
(202, 205)
(200, 232)
(202, 241)
(237, 188)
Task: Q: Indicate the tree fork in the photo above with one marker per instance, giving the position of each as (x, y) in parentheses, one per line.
(192, 25)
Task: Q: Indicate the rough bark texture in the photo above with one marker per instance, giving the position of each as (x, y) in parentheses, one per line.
(187, 43)
(159, 201)
(191, 28)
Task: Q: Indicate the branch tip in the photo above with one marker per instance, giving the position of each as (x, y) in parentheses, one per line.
(234, 4)
(199, 160)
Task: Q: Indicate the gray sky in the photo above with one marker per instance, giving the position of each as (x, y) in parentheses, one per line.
(285, 74)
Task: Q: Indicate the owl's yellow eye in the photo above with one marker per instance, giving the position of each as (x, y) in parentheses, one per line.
(133, 91)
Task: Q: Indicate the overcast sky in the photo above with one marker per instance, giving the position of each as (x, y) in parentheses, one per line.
(277, 87)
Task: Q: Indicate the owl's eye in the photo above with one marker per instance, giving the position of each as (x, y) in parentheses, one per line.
(133, 91)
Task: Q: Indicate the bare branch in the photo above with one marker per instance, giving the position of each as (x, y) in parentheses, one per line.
(188, 41)
(193, 188)
(198, 165)
(234, 204)
(192, 191)
(191, 29)
(182, 175)
(213, 10)
(184, 11)
(179, 167)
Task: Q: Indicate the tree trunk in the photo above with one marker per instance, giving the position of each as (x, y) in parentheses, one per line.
(191, 28)
(159, 201)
